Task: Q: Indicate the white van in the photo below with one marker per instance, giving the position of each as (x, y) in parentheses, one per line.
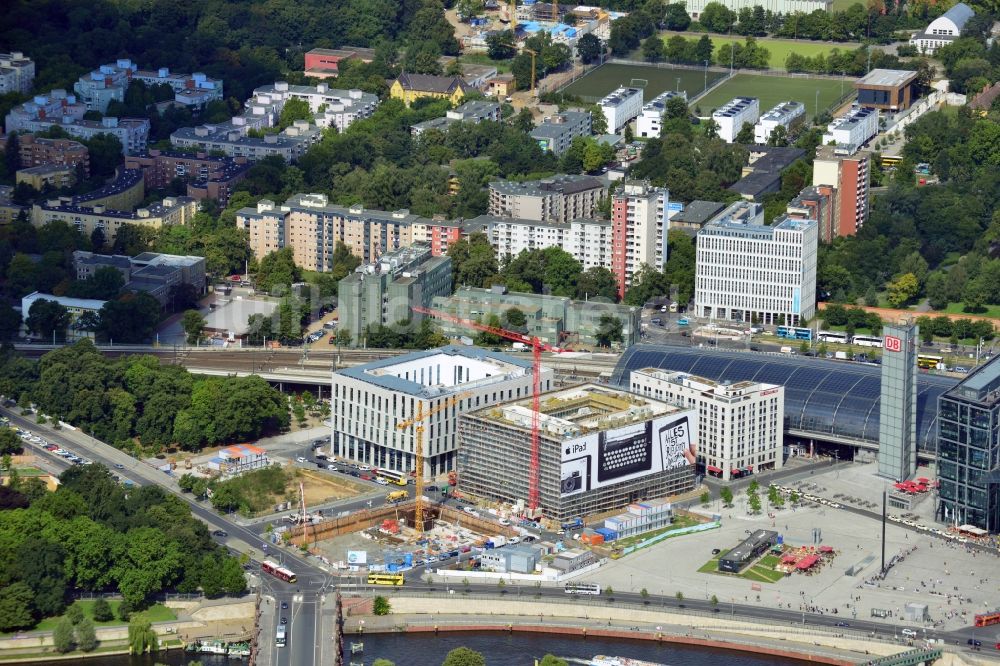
(786, 350)
(909, 632)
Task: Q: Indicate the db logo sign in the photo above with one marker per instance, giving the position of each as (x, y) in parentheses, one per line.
(893, 343)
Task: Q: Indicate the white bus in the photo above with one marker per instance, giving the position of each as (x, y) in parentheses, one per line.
(867, 340)
(582, 588)
(279, 640)
(832, 336)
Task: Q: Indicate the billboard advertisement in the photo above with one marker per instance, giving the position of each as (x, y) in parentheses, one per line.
(355, 557)
(601, 459)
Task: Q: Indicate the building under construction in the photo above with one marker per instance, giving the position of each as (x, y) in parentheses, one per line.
(600, 449)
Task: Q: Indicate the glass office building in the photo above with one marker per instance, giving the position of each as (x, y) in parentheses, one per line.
(969, 452)
(897, 446)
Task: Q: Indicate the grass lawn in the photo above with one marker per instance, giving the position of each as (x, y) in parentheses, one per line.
(601, 80)
(842, 5)
(762, 572)
(156, 613)
(780, 48)
(992, 311)
(774, 89)
(483, 59)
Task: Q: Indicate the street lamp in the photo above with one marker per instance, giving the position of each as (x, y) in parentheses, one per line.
(706, 77)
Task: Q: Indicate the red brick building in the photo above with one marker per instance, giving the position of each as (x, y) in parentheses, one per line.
(37, 151)
(208, 177)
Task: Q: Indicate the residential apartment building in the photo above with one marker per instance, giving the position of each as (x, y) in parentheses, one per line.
(172, 210)
(9, 210)
(944, 29)
(474, 112)
(207, 177)
(620, 107)
(410, 87)
(740, 424)
(587, 240)
(638, 230)
(37, 151)
(55, 176)
(734, 114)
(17, 73)
(747, 271)
(816, 202)
(149, 272)
(852, 130)
(440, 233)
(125, 192)
(850, 176)
(557, 320)
(560, 198)
(330, 107)
(695, 7)
(231, 139)
(312, 227)
(109, 82)
(58, 108)
(382, 292)
(650, 121)
(555, 134)
(784, 114)
(371, 400)
(969, 450)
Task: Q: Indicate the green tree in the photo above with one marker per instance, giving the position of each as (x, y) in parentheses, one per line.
(745, 135)
(75, 613)
(597, 282)
(473, 261)
(62, 636)
(717, 17)
(793, 497)
(463, 656)
(679, 595)
(294, 109)
(714, 600)
(383, 662)
(675, 17)
(903, 289)
(754, 503)
(46, 318)
(10, 443)
(706, 497)
(277, 269)
(589, 48)
(102, 610)
(130, 319)
(500, 45)
(105, 155)
(193, 324)
(16, 610)
(726, 494)
(652, 49)
(381, 606)
(40, 563)
(141, 636)
(514, 318)
(12, 154)
(86, 635)
(552, 660)
(609, 330)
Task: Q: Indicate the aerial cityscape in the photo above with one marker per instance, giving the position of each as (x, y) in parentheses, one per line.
(500, 332)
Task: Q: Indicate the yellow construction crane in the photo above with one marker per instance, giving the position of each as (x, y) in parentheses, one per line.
(418, 422)
(533, 55)
(513, 18)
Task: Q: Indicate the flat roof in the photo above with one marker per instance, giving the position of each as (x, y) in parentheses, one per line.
(233, 315)
(383, 373)
(886, 78)
(743, 551)
(982, 385)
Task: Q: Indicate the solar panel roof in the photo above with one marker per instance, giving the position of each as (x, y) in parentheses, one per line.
(823, 399)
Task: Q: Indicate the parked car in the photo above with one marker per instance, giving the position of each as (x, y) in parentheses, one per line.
(300, 459)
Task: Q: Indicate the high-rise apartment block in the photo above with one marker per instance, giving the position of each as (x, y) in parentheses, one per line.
(897, 426)
(109, 82)
(382, 292)
(969, 450)
(650, 121)
(850, 176)
(587, 240)
(740, 424)
(312, 227)
(620, 107)
(734, 114)
(36, 151)
(638, 230)
(556, 199)
(815, 203)
(785, 114)
(747, 271)
(17, 73)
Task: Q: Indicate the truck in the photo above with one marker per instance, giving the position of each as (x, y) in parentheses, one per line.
(396, 496)
(840, 355)
(573, 523)
(519, 346)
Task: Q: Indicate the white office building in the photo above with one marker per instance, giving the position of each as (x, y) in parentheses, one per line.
(588, 240)
(747, 271)
(340, 108)
(785, 114)
(695, 7)
(740, 424)
(734, 114)
(943, 30)
(650, 120)
(371, 400)
(852, 130)
(620, 106)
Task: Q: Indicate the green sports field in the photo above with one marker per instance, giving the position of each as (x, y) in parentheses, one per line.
(601, 80)
(774, 89)
(781, 48)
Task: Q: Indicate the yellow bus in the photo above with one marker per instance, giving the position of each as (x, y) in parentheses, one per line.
(392, 476)
(891, 161)
(928, 361)
(385, 579)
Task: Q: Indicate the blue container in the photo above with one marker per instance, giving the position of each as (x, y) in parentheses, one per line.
(781, 539)
(392, 566)
(408, 560)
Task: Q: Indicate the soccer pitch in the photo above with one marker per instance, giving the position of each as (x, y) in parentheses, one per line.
(774, 89)
(601, 80)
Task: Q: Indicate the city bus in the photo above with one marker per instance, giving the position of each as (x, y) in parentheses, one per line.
(278, 571)
(867, 340)
(280, 639)
(929, 361)
(988, 619)
(795, 333)
(832, 336)
(397, 478)
(385, 579)
(889, 161)
(582, 588)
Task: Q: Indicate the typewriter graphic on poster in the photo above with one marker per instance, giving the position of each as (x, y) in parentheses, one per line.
(625, 453)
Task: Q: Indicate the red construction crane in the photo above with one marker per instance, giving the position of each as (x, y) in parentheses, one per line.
(537, 347)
